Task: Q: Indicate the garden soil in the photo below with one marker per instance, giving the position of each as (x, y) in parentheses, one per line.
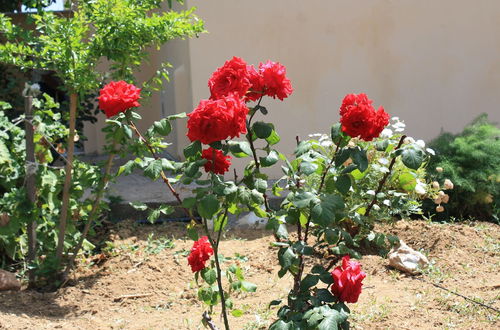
(143, 282)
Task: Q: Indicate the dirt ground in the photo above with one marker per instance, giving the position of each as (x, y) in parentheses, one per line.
(465, 258)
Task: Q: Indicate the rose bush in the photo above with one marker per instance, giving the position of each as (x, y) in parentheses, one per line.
(333, 189)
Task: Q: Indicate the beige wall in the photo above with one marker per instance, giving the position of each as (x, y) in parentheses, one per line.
(434, 63)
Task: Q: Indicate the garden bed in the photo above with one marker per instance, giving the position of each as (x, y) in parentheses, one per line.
(142, 281)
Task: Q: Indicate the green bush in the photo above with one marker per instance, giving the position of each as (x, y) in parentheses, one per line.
(471, 160)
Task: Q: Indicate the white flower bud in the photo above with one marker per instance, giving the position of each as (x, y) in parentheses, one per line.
(439, 209)
(420, 143)
(435, 185)
(439, 169)
(437, 200)
(441, 194)
(488, 199)
(409, 140)
(448, 185)
(420, 187)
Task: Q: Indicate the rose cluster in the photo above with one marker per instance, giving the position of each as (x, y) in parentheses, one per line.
(117, 97)
(224, 115)
(200, 253)
(359, 118)
(347, 280)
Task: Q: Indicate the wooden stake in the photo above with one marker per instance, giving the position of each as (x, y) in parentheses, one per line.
(30, 184)
(67, 181)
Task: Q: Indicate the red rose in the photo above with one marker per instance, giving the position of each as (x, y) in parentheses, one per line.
(232, 77)
(257, 85)
(359, 118)
(276, 84)
(200, 253)
(347, 280)
(217, 162)
(118, 97)
(216, 120)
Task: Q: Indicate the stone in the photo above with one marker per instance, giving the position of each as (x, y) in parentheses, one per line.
(8, 281)
(405, 259)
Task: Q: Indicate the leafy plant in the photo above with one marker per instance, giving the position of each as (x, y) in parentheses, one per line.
(471, 160)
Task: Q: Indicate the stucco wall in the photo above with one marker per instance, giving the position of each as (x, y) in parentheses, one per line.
(434, 63)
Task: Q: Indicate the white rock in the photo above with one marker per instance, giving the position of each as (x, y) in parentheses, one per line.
(406, 259)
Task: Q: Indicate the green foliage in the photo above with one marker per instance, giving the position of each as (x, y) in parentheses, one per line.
(119, 31)
(471, 160)
(50, 180)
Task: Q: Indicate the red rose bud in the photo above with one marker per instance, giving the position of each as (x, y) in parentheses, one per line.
(276, 84)
(231, 78)
(217, 162)
(359, 118)
(216, 120)
(118, 97)
(347, 280)
(200, 253)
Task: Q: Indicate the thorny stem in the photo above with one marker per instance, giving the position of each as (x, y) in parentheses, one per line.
(162, 174)
(298, 276)
(93, 212)
(384, 178)
(254, 152)
(215, 246)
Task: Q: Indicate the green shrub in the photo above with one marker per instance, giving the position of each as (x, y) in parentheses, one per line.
(471, 160)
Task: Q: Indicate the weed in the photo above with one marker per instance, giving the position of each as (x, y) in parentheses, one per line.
(156, 245)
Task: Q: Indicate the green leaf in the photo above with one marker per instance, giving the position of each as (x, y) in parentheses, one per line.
(309, 281)
(308, 167)
(262, 130)
(209, 275)
(188, 202)
(336, 131)
(302, 148)
(331, 321)
(282, 325)
(325, 212)
(286, 257)
(240, 149)
(154, 169)
(162, 127)
(303, 199)
(260, 185)
(192, 149)
(177, 116)
(359, 158)
(343, 183)
(412, 157)
(208, 206)
(138, 206)
(342, 156)
(248, 287)
(407, 181)
(332, 236)
(271, 159)
(273, 138)
(236, 312)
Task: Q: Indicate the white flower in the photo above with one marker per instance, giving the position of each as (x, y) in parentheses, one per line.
(387, 202)
(435, 185)
(386, 133)
(371, 192)
(376, 207)
(439, 208)
(409, 140)
(420, 143)
(420, 187)
(431, 151)
(383, 161)
(439, 169)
